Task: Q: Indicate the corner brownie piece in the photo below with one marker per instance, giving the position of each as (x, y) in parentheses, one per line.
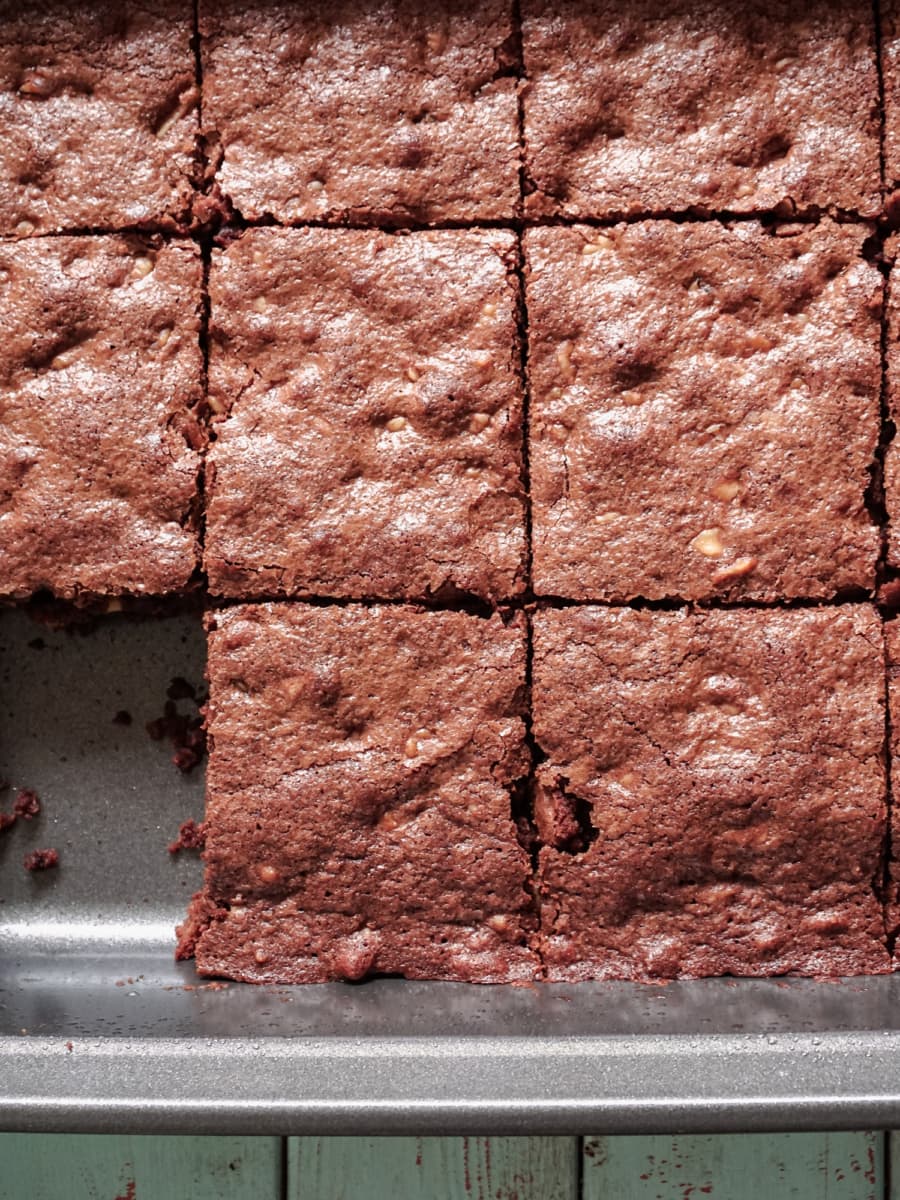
(713, 796)
(381, 111)
(98, 107)
(892, 905)
(657, 105)
(704, 409)
(892, 450)
(370, 385)
(362, 767)
(100, 371)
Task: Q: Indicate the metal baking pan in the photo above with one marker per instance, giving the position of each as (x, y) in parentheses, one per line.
(100, 1030)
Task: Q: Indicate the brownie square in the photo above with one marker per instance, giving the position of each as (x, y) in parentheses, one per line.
(659, 105)
(98, 107)
(892, 905)
(704, 410)
(890, 70)
(371, 394)
(100, 371)
(713, 796)
(892, 450)
(370, 111)
(363, 768)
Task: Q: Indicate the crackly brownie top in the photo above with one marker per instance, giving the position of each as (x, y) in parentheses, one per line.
(650, 106)
(99, 372)
(705, 409)
(716, 744)
(373, 110)
(98, 112)
(392, 737)
(371, 440)
(889, 13)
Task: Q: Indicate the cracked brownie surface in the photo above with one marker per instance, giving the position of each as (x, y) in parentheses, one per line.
(370, 409)
(375, 111)
(652, 106)
(99, 444)
(712, 799)
(704, 410)
(98, 107)
(358, 812)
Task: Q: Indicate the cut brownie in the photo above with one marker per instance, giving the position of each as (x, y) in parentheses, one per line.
(892, 907)
(704, 410)
(98, 107)
(99, 373)
(380, 111)
(657, 105)
(892, 451)
(890, 70)
(373, 398)
(362, 768)
(714, 788)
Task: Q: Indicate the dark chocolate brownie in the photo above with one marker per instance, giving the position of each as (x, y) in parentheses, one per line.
(725, 771)
(892, 906)
(380, 110)
(890, 70)
(657, 105)
(98, 108)
(372, 399)
(359, 796)
(99, 372)
(892, 452)
(704, 409)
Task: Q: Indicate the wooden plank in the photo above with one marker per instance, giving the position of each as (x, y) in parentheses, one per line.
(432, 1168)
(805, 1166)
(893, 1153)
(95, 1167)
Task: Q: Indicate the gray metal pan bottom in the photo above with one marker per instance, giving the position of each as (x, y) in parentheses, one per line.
(100, 1030)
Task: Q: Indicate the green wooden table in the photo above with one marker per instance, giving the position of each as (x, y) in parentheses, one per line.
(810, 1166)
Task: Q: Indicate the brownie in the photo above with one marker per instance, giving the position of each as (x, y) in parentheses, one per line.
(725, 772)
(100, 368)
(362, 773)
(704, 409)
(98, 107)
(660, 105)
(890, 71)
(892, 906)
(371, 394)
(375, 110)
(892, 359)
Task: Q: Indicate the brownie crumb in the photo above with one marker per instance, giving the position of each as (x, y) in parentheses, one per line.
(191, 836)
(26, 805)
(184, 731)
(41, 860)
(122, 717)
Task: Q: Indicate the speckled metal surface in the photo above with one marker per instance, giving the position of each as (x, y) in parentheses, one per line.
(100, 1030)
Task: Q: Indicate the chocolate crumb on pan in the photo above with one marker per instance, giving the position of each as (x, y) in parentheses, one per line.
(41, 860)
